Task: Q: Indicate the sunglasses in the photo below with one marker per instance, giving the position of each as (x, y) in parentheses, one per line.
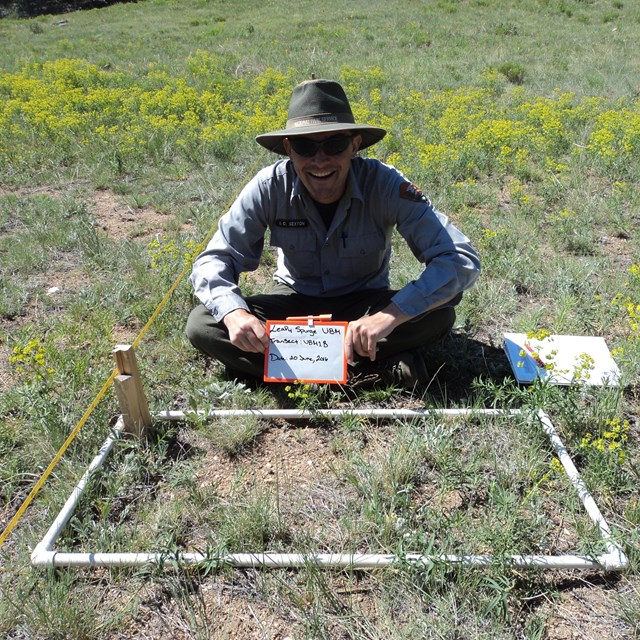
(331, 146)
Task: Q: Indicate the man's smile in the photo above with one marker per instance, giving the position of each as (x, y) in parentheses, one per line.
(321, 176)
(324, 174)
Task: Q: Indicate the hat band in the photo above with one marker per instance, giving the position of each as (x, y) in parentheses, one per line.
(307, 121)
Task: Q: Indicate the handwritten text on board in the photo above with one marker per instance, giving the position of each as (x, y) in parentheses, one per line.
(308, 352)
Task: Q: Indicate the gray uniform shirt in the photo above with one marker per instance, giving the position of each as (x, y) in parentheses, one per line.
(351, 255)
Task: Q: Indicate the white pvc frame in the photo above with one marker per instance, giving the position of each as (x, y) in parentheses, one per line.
(45, 555)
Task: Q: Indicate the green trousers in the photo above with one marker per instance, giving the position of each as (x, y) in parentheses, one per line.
(212, 338)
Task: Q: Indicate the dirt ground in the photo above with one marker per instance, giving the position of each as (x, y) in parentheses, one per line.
(586, 608)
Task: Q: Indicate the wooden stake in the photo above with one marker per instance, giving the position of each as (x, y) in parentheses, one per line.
(128, 384)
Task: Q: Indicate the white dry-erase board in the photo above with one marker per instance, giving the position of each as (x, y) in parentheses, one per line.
(306, 351)
(561, 359)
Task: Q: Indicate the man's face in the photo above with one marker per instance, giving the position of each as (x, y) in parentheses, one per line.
(324, 176)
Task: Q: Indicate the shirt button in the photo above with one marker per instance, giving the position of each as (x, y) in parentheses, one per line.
(362, 252)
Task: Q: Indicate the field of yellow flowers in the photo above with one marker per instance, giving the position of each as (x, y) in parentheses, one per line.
(80, 112)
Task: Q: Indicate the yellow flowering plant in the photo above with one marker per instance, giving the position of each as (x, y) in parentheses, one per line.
(167, 256)
(610, 442)
(80, 108)
(629, 302)
(30, 361)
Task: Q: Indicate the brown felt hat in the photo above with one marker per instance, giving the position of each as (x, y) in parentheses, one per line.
(317, 106)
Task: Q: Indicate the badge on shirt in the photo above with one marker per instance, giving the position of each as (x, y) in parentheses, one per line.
(292, 224)
(409, 191)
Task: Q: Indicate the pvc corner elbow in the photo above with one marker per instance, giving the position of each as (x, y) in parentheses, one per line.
(42, 557)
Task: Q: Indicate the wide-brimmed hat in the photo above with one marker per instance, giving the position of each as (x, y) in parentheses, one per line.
(317, 106)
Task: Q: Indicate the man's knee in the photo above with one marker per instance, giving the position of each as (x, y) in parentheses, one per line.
(431, 327)
(193, 326)
(441, 323)
(201, 330)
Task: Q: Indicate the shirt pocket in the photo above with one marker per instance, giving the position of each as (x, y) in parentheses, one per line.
(361, 255)
(299, 250)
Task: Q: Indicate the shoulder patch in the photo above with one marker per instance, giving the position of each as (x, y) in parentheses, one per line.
(409, 191)
(292, 224)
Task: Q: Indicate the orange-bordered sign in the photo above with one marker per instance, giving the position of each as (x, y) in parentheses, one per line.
(306, 349)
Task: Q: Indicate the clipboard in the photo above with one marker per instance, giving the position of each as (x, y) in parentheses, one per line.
(531, 359)
(308, 349)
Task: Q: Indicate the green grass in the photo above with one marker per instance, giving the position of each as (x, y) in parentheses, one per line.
(519, 120)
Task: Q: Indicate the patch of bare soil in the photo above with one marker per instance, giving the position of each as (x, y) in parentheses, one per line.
(620, 249)
(221, 608)
(5, 367)
(65, 276)
(121, 221)
(586, 610)
(112, 215)
(291, 460)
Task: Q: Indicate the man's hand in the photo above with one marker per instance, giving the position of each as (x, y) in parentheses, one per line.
(364, 333)
(245, 331)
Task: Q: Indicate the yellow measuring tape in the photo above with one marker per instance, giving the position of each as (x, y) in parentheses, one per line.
(23, 507)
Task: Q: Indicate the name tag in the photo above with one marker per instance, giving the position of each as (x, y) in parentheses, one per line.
(292, 224)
